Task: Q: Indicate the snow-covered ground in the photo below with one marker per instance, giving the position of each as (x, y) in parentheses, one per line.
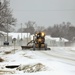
(57, 61)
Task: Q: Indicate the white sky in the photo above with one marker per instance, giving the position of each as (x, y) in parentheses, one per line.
(44, 12)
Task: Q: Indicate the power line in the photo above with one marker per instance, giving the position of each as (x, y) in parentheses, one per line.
(46, 10)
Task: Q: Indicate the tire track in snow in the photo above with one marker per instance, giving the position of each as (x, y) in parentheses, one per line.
(62, 58)
(47, 55)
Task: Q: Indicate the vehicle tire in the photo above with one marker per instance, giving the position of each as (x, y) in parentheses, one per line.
(34, 47)
(45, 46)
(39, 46)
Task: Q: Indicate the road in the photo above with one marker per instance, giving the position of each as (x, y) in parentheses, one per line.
(62, 54)
(58, 59)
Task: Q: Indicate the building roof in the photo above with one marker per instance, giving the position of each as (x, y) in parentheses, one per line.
(2, 32)
(19, 35)
(57, 39)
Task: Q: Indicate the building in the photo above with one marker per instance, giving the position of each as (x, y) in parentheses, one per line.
(21, 38)
(55, 41)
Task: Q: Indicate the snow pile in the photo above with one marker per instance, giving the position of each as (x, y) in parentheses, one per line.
(57, 39)
(4, 33)
(1, 59)
(31, 68)
(6, 71)
(7, 52)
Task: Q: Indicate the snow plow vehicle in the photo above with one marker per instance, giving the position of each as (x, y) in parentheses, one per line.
(38, 42)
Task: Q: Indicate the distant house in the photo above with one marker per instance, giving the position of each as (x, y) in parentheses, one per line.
(2, 37)
(19, 35)
(25, 37)
(55, 41)
(21, 38)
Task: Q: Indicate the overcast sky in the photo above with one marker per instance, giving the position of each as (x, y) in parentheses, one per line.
(44, 12)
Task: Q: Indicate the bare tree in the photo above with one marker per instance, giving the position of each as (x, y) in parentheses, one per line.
(6, 17)
(1, 5)
(40, 28)
(30, 27)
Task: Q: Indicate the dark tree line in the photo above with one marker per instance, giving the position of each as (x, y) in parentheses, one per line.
(65, 30)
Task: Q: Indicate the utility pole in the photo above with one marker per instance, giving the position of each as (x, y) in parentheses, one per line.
(7, 30)
(6, 22)
(7, 43)
(27, 33)
(21, 31)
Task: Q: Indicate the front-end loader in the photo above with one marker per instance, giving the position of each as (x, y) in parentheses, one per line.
(38, 42)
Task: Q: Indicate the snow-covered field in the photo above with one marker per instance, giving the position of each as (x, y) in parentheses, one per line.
(57, 61)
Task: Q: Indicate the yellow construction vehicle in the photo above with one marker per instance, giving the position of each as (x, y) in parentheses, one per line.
(38, 42)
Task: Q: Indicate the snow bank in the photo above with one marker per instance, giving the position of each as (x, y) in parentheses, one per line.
(31, 68)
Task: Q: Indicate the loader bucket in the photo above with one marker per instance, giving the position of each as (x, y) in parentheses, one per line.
(26, 47)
